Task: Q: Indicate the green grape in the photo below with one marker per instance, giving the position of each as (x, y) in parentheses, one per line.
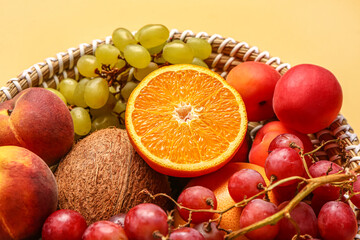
(96, 93)
(159, 59)
(120, 64)
(201, 48)
(152, 35)
(127, 90)
(58, 94)
(66, 88)
(79, 93)
(119, 107)
(87, 65)
(137, 56)
(107, 108)
(121, 37)
(176, 52)
(105, 121)
(199, 62)
(141, 73)
(157, 49)
(107, 54)
(112, 90)
(81, 120)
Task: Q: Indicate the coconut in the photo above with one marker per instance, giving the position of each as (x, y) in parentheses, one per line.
(103, 175)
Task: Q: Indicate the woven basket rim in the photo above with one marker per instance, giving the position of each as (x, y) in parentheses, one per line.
(226, 54)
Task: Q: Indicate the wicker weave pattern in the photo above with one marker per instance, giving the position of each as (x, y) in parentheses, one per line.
(226, 54)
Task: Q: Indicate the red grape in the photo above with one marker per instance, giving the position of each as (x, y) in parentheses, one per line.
(286, 193)
(284, 140)
(143, 220)
(317, 201)
(119, 219)
(244, 184)
(337, 221)
(104, 230)
(305, 218)
(197, 197)
(210, 231)
(322, 168)
(64, 224)
(283, 163)
(356, 188)
(186, 233)
(255, 211)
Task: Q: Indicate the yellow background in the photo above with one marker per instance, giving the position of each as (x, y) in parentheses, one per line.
(323, 32)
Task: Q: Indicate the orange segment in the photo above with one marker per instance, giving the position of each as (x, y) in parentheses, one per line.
(185, 120)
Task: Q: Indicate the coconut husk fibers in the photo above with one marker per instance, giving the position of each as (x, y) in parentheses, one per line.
(102, 176)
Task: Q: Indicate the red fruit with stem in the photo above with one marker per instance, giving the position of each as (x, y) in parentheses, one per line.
(64, 224)
(337, 221)
(303, 215)
(245, 184)
(285, 140)
(210, 231)
(143, 220)
(283, 163)
(322, 168)
(255, 211)
(260, 146)
(197, 197)
(104, 230)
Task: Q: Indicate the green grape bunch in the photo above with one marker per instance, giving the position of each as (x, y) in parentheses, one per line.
(98, 99)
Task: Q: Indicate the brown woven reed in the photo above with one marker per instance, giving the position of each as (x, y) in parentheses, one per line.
(226, 54)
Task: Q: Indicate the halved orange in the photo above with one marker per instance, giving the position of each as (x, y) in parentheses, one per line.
(185, 120)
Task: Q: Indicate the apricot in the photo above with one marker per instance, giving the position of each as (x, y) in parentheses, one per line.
(28, 193)
(307, 98)
(255, 81)
(38, 120)
(259, 150)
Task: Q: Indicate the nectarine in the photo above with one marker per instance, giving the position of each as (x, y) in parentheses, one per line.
(307, 98)
(38, 120)
(28, 193)
(255, 81)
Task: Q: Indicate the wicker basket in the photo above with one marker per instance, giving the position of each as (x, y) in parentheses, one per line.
(226, 54)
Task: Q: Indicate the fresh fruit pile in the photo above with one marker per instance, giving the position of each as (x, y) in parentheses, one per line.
(186, 127)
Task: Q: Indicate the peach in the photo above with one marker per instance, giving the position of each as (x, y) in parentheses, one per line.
(259, 150)
(38, 120)
(255, 81)
(307, 98)
(28, 193)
